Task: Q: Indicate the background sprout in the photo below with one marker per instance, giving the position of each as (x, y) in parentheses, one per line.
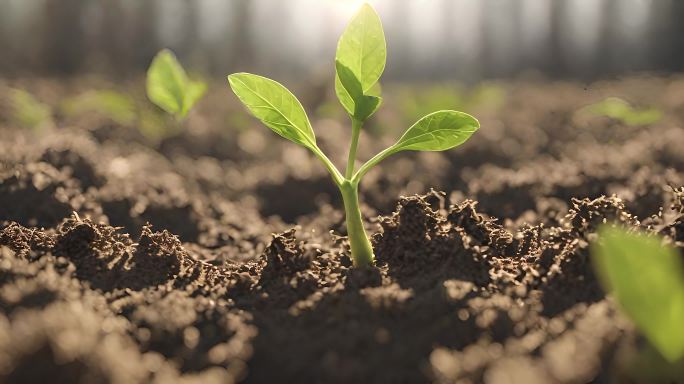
(169, 87)
(114, 105)
(359, 63)
(621, 110)
(28, 112)
(488, 96)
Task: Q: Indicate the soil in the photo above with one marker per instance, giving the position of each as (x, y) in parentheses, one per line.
(124, 260)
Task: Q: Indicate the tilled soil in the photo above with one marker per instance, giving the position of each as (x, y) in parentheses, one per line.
(122, 261)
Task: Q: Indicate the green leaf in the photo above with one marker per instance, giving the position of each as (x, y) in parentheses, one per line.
(194, 91)
(363, 51)
(438, 131)
(168, 85)
(343, 96)
(362, 47)
(276, 107)
(361, 106)
(647, 280)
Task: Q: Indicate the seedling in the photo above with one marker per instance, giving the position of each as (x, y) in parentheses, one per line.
(432, 97)
(169, 87)
(621, 110)
(647, 279)
(359, 63)
(28, 112)
(114, 105)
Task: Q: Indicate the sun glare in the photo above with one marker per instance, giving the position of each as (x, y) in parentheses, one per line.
(345, 9)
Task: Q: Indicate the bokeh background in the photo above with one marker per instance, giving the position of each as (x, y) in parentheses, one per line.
(581, 104)
(466, 40)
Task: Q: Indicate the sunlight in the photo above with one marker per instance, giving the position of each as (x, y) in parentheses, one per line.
(345, 9)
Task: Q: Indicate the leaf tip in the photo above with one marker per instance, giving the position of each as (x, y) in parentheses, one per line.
(233, 78)
(164, 54)
(475, 123)
(166, 51)
(366, 7)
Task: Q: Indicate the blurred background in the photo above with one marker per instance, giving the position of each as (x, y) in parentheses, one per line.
(466, 40)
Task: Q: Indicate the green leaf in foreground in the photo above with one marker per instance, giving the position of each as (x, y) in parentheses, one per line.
(438, 131)
(362, 47)
(276, 107)
(169, 87)
(360, 106)
(647, 279)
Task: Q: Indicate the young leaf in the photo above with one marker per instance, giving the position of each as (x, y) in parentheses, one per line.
(438, 131)
(343, 96)
(168, 85)
(362, 47)
(363, 51)
(647, 280)
(194, 91)
(270, 102)
(360, 106)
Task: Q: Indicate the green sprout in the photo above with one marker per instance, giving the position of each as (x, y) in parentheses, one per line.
(114, 105)
(169, 87)
(28, 112)
(621, 110)
(647, 279)
(359, 63)
(432, 97)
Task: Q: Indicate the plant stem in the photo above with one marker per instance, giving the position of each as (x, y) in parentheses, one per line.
(372, 163)
(356, 130)
(334, 173)
(361, 249)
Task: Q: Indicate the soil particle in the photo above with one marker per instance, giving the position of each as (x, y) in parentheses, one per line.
(23, 241)
(285, 275)
(416, 238)
(586, 215)
(675, 228)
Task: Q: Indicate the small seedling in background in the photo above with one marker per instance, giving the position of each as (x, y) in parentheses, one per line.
(414, 104)
(169, 87)
(621, 110)
(647, 279)
(359, 63)
(28, 112)
(113, 105)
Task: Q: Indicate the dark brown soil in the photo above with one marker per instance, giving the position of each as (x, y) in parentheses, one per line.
(128, 261)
